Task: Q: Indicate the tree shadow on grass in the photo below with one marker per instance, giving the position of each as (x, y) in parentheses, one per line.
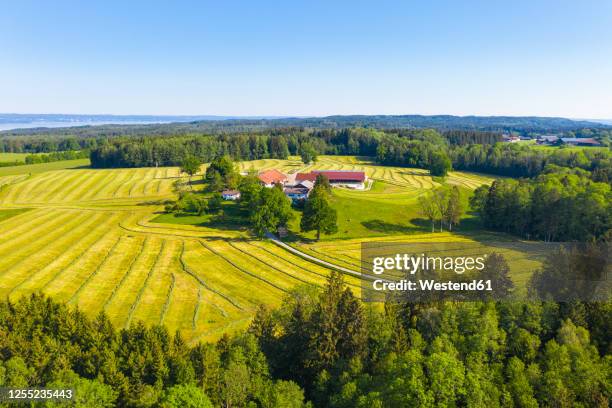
(387, 227)
(196, 181)
(224, 223)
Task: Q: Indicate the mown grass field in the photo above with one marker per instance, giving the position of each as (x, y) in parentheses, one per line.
(87, 238)
(42, 167)
(13, 157)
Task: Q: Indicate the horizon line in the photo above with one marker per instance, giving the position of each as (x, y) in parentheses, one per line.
(230, 116)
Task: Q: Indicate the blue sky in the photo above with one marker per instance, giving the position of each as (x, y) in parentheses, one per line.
(550, 58)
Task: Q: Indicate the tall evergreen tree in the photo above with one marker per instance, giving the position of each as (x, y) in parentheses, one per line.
(318, 214)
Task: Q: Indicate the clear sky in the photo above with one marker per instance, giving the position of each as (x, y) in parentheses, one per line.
(460, 57)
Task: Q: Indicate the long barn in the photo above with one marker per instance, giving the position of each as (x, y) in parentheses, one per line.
(341, 178)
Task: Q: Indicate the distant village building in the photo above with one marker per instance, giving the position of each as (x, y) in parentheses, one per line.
(232, 195)
(548, 139)
(298, 190)
(572, 141)
(270, 178)
(306, 184)
(298, 186)
(337, 178)
(511, 139)
(580, 141)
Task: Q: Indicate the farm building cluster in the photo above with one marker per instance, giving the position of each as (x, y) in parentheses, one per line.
(297, 186)
(553, 140)
(571, 141)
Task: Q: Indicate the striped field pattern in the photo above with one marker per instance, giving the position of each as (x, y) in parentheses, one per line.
(88, 241)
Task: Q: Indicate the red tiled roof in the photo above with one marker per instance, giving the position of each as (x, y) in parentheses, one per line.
(333, 175)
(272, 176)
(305, 176)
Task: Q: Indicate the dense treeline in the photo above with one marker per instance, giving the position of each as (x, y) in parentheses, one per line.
(509, 159)
(151, 151)
(31, 144)
(469, 150)
(48, 158)
(505, 159)
(562, 205)
(412, 148)
(463, 137)
(278, 144)
(56, 156)
(328, 346)
(172, 151)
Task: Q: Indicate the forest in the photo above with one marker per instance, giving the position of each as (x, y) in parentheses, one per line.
(561, 205)
(325, 348)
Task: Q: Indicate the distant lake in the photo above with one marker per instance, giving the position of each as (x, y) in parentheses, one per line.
(56, 124)
(10, 121)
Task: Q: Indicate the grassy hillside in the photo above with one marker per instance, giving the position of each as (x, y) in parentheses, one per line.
(13, 157)
(43, 167)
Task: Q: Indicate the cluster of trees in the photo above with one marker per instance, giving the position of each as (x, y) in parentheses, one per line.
(424, 149)
(43, 343)
(189, 202)
(561, 205)
(308, 154)
(443, 205)
(221, 174)
(269, 208)
(56, 156)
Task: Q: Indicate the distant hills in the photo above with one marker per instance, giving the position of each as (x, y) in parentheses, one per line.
(90, 125)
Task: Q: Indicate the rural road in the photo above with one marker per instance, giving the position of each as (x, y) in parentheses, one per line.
(301, 254)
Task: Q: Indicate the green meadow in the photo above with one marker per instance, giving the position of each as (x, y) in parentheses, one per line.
(13, 157)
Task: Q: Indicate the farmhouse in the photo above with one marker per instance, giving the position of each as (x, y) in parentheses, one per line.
(232, 195)
(270, 178)
(580, 141)
(571, 141)
(337, 178)
(547, 140)
(297, 193)
(510, 139)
